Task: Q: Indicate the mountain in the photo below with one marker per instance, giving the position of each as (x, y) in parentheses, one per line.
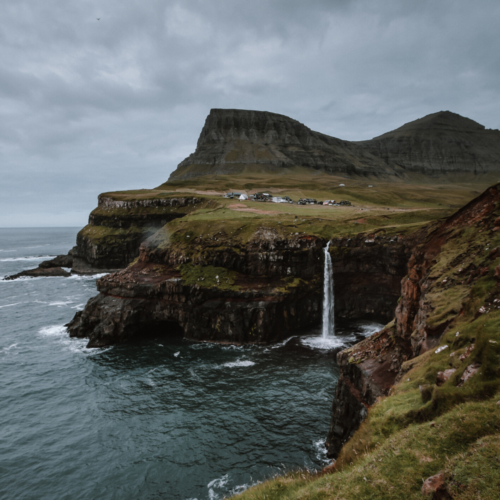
(442, 142)
(233, 141)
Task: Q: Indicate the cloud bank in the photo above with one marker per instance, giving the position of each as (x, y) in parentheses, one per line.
(108, 95)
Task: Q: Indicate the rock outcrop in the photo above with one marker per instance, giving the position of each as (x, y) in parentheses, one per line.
(367, 270)
(220, 287)
(233, 141)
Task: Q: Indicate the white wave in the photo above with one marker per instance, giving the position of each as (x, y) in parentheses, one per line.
(217, 484)
(78, 346)
(327, 343)
(78, 307)
(54, 330)
(239, 363)
(176, 354)
(10, 305)
(281, 344)
(15, 259)
(87, 276)
(241, 488)
(6, 349)
(61, 303)
(368, 329)
(321, 451)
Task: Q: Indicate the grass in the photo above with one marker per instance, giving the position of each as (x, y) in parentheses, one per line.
(208, 276)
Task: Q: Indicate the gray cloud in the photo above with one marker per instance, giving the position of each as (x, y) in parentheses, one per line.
(88, 106)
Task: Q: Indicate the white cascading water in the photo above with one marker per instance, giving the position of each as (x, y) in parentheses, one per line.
(328, 297)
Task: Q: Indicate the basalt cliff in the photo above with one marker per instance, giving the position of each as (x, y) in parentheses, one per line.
(234, 141)
(227, 286)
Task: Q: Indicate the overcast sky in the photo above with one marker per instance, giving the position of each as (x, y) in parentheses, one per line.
(91, 105)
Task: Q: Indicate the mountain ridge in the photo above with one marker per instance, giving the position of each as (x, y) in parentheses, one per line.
(234, 140)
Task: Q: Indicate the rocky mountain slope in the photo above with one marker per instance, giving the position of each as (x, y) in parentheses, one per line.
(234, 141)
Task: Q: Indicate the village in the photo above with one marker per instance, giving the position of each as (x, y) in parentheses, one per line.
(268, 197)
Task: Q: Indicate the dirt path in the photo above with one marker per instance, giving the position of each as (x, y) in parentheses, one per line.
(238, 207)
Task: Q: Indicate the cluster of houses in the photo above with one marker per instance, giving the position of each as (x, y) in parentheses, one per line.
(267, 197)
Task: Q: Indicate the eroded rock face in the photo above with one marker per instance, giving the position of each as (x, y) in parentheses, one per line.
(233, 139)
(414, 307)
(367, 273)
(367, 371)
(148, 298)
(117, 228)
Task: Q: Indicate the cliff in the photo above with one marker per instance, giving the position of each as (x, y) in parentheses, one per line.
(255, 287)
(236, 141)
(117, 227)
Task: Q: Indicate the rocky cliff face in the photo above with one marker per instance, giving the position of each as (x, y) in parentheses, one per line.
(218, 287)
(233, 140)
(116, 228)
(439, 143)
(367, 270)
(171, 290)
(450, 279)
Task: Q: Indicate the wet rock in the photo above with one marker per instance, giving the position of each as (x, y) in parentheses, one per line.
(59, 261)
(40, 272)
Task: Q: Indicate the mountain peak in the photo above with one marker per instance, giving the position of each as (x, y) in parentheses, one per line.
(442, 120)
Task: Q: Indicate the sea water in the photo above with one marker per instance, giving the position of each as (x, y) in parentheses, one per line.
(161, 419)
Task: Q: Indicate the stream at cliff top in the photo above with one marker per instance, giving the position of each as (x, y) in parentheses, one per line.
(162, 419)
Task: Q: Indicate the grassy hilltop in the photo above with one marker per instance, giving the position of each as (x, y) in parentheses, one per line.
(394, 207)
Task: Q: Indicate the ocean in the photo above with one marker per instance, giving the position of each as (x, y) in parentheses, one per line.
(159, 419)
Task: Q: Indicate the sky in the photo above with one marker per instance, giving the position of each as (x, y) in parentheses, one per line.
(109, 95)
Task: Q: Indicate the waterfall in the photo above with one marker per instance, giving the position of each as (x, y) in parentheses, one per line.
(328, 297)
